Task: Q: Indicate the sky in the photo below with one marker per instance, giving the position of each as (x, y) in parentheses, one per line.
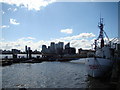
(38, 22)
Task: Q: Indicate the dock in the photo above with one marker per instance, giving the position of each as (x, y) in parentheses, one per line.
(5, 62)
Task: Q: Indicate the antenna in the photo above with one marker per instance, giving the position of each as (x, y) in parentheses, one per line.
(101, 19)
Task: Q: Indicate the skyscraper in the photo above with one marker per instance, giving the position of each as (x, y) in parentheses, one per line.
(44, 49)
(52, 47)
(67, 45)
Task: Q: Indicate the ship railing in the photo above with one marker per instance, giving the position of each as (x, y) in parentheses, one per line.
(115, 40)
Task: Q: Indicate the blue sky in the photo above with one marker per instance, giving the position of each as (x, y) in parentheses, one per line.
(74, 22)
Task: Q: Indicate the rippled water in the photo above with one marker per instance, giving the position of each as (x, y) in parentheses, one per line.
(46, 75)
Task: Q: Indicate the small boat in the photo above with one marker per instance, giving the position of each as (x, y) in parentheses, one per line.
(102, 62)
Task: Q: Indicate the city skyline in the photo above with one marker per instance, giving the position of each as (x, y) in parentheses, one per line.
(74, 22)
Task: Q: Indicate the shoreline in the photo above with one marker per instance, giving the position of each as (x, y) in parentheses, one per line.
(6, 62)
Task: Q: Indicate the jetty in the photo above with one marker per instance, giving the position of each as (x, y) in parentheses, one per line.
(10, 61)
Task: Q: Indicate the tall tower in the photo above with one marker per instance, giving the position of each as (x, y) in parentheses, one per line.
(29, 52)
(26, 50)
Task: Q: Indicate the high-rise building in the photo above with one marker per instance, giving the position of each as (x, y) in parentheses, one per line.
(44, 49)
(26, 49)
(60, 45)
(60, 48)
(29, 53)
(67, 45)
(52, 47)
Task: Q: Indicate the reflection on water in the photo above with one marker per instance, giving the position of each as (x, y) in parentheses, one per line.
(47, 75)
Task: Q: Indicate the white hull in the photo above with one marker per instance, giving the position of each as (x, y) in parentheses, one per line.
(98, 67)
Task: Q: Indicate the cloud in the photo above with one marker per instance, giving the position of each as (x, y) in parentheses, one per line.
(26, 38)
(76, 41)
(13, 21)
(12, 9)
(9, 9)
(21, 43)
(82, 40)
(15, 9)
(67, 31)
(3, 12)
(88, 0)
(83, 43)
(2, 39)
(80, 36)
(4, 26)
(30, 4)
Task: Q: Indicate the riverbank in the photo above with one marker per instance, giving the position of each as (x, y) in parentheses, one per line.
(5, 62)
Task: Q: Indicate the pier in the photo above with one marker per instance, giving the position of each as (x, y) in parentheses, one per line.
(9, 61)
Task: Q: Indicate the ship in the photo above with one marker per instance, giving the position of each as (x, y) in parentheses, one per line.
(101, 64)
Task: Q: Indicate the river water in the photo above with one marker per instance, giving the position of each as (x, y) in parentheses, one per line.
(49, 75)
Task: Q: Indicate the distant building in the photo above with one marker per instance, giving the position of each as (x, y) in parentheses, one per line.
(81, 51)
(70, 50)
(15, 51)
(6, 51)
(44, 49)
(36, 51)
(67, 45)
(57, 49)
(26, 49)
(60, 45)
(29, 53)
(52, 47)
(85, 52)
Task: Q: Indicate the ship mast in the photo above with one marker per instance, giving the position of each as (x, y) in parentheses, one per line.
(101, 35)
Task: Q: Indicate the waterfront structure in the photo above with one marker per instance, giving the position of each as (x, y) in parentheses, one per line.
(16, 51)
(29, 53)
(14, 56)
(83, 52)
(70, 50)
(26, 50)
(10, 51)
